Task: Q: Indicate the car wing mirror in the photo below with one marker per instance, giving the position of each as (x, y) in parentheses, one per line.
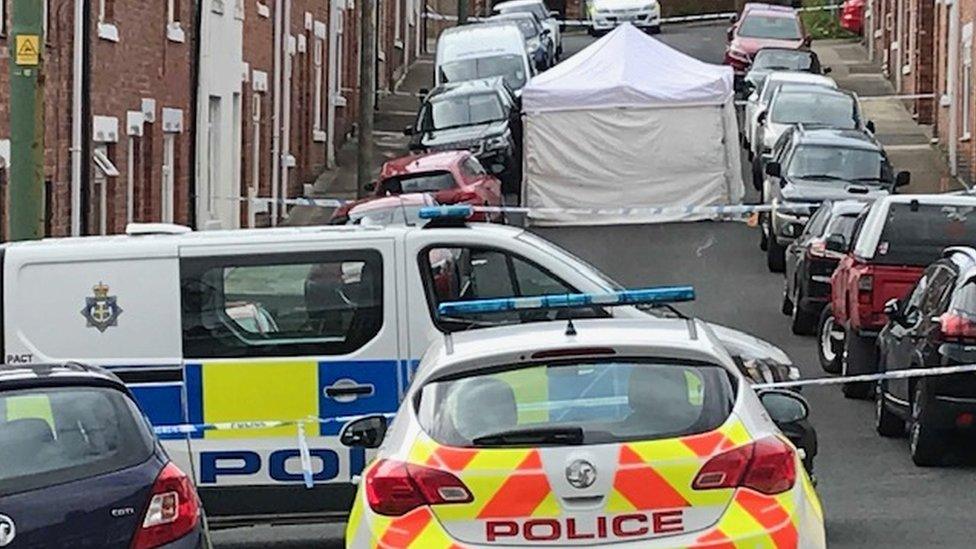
(870, 126)
(807, 40)
(554, 14)
(365, 432)
(370, 187)
(903, 179)
(892, 308)
(784, 407)
(827, 70)
(774, 169)
(734, 18)
(730, 34)
(836, 243)
(761, 118)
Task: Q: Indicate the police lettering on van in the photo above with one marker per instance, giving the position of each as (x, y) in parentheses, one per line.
(276, 324)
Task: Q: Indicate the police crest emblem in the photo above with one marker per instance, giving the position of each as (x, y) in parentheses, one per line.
(102, 311)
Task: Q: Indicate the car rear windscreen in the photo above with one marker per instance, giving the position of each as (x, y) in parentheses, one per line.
(596, 402)
(54, 436)
(419, 183)
(916, 235)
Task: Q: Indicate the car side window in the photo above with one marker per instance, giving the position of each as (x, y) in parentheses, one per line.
(818, 221)
(328, 303)
(472, 273)
(937, 294)
(910, 310)
(472, 168)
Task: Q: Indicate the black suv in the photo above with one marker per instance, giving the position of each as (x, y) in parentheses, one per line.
(479, 115)
(809, 263)
(935, 325)
(813, 164)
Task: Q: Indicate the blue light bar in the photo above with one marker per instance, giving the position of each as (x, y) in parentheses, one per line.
(463, 211)
(648, 296)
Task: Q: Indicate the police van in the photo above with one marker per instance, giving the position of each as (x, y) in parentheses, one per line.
(279, 325)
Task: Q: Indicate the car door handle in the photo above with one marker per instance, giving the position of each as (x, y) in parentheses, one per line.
(347, 390)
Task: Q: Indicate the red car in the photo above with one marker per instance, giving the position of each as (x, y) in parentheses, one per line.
(852, 16)
(762, 26)
(450, 177)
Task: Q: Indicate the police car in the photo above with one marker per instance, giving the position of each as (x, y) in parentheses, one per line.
(640, 433)
(255, 327)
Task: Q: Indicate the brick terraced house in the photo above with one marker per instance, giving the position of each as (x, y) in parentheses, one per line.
(189, 107)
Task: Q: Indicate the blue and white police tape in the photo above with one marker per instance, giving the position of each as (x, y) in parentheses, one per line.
(867, 378)
(721, 210)
(199, 428)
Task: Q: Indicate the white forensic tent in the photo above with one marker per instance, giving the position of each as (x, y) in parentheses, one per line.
(629, 122)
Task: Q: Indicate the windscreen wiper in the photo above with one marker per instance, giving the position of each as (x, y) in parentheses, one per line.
(534, 436)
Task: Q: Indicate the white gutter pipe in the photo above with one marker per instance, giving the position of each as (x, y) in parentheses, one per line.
(276, 114)
(78, 67)
(952, 83)
(286, 106)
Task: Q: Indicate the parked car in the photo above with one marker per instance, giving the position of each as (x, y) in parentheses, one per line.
(549, 18)
(479, 116)
(538, 41)
(934, 325)
(606, 15)
(477, 52)
(794, 104)
(893, 243)
(852, 16)
(809, 264)
(81, 467)
(449, 177)
(770, 60)
(759, 101)
(762, 26)
(809, 166)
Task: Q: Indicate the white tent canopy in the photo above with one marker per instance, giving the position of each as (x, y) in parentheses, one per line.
(630, 122)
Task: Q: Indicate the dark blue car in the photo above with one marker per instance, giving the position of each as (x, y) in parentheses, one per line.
(80, 466)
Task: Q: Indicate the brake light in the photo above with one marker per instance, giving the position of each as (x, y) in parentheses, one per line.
(173, 510)
(394, 488)
(817, 248)
(865, 283)
(767, 466)
(957, 327)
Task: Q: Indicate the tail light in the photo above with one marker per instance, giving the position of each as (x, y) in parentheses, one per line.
(958, 327)
(817, 248)
(173, 511)
(453, 196)
(865, 283)
(394, 488)
(767, 466)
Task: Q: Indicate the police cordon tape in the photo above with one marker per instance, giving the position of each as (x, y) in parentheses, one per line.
(718, 16)
(866, 378)
(721, 210)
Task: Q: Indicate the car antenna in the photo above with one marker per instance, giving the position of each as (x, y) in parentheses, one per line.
(570, 328)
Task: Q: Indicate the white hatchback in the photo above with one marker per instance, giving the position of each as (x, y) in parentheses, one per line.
(758, 101)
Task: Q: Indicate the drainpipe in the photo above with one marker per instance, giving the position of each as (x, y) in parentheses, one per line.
(900, 30)
(868, 27)
(952, 84)
(276, 114)
(194, 171)
(77, 123)
(286, 108)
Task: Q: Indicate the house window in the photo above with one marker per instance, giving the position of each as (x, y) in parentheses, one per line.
(106, 15)
(174, 26)
(104, 173)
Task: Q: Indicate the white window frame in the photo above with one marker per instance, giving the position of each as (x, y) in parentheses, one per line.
(168, 187)
(318, 61)
(106, 29)
(397, 25)
(967, 99)
(174, 25)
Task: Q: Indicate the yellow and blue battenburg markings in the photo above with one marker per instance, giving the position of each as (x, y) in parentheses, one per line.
(647, 296)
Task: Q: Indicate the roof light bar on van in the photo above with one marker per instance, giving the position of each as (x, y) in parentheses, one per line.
(648, 296)
(462, 211)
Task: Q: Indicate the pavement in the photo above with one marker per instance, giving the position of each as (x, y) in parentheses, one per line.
(872, 494)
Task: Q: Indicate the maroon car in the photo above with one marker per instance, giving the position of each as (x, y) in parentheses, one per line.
(450, 177)
(762, 26)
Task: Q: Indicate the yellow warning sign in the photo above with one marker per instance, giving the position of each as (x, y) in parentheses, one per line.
(28, 49)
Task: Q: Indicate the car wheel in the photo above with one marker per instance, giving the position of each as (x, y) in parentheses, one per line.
(803, 321)
(831, 342)
(775, 254)
(860, 357)
(757, 174)
(787, 307)
(656, 29)
(763, 239)
(886, 422)
(926, 444)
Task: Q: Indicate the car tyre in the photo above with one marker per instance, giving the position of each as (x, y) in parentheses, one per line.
(860, 357)
(763, 239)
(656, 29)
(803, 322)
(787, 306)
(775, 254)
(886, 422)
(830, 342)
(926, 444)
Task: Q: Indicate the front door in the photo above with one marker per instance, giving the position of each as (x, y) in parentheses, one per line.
(298, 336)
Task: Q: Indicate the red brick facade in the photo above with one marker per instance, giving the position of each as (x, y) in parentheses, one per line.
(913, 45)
(140, 59)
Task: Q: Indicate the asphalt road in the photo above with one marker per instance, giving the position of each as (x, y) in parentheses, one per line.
(872, 494)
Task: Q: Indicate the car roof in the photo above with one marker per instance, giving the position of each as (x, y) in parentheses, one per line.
(806, 89)
(56, 375)
(467, 87)
(513, 3)
(511, 16)
(801, 78)
(760, 8)
(846, 207)
(465, 352)
(478, 32)
(835, 137)
(437, 161)
(786, 50)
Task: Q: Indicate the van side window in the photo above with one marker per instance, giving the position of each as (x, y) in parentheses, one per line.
(281, 304)
(467, 274)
